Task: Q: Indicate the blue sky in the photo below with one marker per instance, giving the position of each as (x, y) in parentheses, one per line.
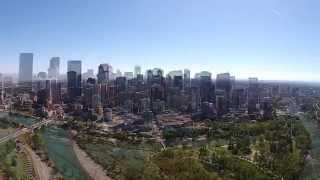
(270, 39)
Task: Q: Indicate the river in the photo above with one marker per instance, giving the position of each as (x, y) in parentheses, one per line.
(312, 168)
(59, 148)
(60, 151)
(19, 119)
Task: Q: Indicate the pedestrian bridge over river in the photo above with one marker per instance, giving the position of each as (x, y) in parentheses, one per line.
(26, 129)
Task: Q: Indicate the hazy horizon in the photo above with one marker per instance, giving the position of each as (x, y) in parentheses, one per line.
(268, 39)
(307, 82)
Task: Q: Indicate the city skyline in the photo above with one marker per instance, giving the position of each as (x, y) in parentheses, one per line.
(271, 40)
(159, 89)
(55, 68)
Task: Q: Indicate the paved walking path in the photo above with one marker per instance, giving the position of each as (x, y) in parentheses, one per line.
(94, 170)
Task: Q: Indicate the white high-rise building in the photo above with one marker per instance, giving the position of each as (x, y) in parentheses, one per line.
(25, 67)
(137, 70)
(118, 73)
(54, 68)
(88, 74)
(203, 74)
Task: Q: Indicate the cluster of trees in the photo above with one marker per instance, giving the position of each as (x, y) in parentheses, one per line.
(170, 164)
(36, 141)
(124, 160)
(283, 148)
(278, 145)
(122, 155)
(178, 164)
(230, 166)
(286, 165)
(240, 146)
(5, 123)
(276, 149)
(171, 134)
(176, 134)
(5, 166)
(6, 148)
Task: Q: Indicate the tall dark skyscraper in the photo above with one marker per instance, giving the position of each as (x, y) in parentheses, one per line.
(186, 79)
(74, 79)
(55, 92)
(223, 91)
(25, 67)
(155, 76)
(177, 79)
(155, 82)
(206, 87)
(54, 68)
(223, 82)
(253, 95)
(104, 73)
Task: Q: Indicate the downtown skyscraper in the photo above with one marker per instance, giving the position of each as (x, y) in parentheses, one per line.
(104, 73)
(186, 79)
(25, 67)
(137, 70)
(54, 68)
(74, 79)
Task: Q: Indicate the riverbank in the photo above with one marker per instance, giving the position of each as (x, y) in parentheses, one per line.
(19, 118)
(23, 114)
(312, 163)
(42, 170)
(94, 170)
(58, 145)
